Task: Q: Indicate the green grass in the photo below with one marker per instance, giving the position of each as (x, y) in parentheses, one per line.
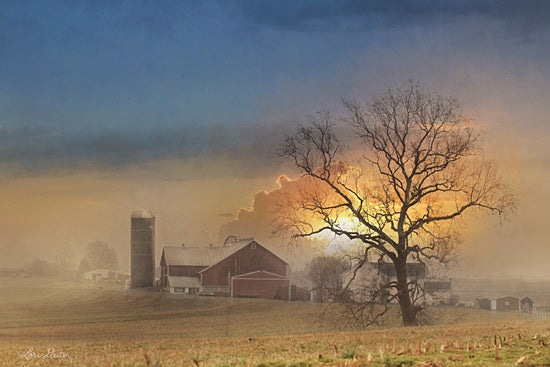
(111, 327)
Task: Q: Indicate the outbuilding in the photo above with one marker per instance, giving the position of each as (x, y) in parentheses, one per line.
(187, 285)
(507, 303)
(526, 304)
(249, 270)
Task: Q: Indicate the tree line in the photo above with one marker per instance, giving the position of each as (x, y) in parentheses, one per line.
(99, 255)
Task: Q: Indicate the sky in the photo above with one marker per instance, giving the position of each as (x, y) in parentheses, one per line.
(179, 107)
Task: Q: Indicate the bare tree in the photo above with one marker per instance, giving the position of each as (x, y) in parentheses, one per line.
(83, 266)
(42, 268)
(421, 169)
(64, 260)
(101, 256)
(326, 274)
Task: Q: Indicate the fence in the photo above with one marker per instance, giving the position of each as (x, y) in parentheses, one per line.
(538, 313)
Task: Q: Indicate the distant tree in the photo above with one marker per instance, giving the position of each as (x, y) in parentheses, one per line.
(420, 170)
(83, 266)
(43, 268)
(326, 273)
(64, 260)
(101, 256)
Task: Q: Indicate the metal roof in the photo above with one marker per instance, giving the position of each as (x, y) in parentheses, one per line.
(184, 282)
(237, 249)
(526, 300)
(195, 256)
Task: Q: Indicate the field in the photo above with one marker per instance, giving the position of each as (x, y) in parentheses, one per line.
(52, 323)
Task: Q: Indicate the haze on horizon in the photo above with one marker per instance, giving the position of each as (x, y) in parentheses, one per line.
(178, 107)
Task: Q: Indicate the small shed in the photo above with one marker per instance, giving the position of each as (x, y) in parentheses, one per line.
(100, 275)
(260, 284)
(188, 285)
(484, 303)
(507, 303)
(526, 304)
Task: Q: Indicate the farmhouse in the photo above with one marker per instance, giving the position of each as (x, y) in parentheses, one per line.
(414, 270)
(237, 270)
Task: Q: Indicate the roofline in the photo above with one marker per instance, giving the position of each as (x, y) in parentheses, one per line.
(239, 249)
(260, 271)
(187, 247)
(162, 257)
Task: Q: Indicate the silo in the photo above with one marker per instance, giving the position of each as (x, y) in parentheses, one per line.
(142, 249)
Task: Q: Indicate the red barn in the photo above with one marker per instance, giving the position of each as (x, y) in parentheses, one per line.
(213, 270)
(181, 265)
(260, 284)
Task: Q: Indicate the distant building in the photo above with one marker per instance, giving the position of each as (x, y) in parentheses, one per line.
(414, 270)
(142, 249)
(526, 304)
(507, 303)
(437, 285)
(435, 289)
(14, 273)
(101, 275)
(239, 270)
(438, 292)
(484, 303)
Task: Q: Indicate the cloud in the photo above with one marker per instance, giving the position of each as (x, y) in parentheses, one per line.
(314, 15)
(259, 222)
(36, 149)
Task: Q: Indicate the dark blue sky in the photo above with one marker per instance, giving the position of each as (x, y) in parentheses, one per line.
(114, 82)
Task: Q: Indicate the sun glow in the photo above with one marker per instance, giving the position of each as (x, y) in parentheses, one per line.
(336, 243)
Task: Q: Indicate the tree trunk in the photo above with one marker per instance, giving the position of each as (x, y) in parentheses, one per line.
(408, 310)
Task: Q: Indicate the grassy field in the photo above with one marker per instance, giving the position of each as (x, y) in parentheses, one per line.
(108, 326)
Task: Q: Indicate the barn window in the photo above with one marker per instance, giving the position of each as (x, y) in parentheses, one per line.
(253, 245)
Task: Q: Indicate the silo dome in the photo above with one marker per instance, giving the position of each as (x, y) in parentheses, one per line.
(141, 213)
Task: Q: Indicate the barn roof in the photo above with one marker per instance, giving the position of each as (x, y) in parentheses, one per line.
(195, 256)
(237, 249)
(508, 298)
(184, 282)
(527, 300)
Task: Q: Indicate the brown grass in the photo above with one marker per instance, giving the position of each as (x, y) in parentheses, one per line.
(111, 327)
